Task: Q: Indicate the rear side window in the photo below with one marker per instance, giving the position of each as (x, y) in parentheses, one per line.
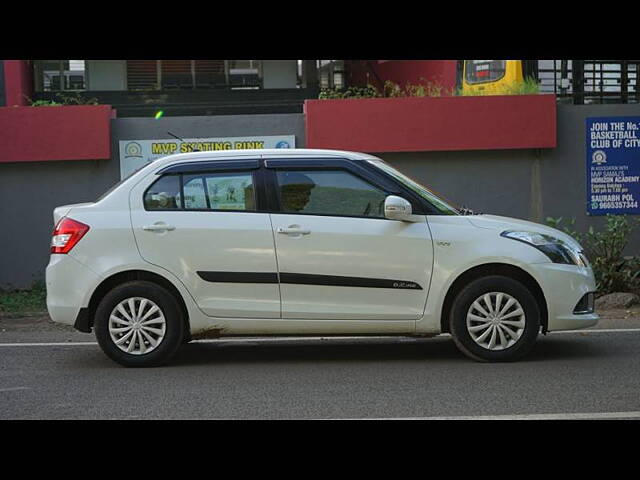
(202, 191)
(329, 192)
(219, 191)
(164, 194)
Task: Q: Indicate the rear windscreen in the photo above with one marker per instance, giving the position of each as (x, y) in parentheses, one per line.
(479, 71)
(113, 187)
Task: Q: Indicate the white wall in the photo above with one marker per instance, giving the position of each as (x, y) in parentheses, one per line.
(279, 73)
(106, 74)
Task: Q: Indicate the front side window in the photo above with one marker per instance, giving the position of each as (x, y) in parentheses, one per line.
(206, 191)
(480, 71)
(329, 192)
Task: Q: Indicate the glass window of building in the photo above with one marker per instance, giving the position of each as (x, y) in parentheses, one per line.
(60, 75)
(244, 73)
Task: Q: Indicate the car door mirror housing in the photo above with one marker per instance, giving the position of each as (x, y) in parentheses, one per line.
(397, 208)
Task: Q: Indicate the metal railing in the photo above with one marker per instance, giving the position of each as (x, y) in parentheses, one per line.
(591, 81)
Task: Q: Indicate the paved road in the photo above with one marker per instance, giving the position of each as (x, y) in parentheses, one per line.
(567, 374)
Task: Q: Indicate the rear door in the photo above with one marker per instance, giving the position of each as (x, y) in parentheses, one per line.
(203, 223)
(338, 257)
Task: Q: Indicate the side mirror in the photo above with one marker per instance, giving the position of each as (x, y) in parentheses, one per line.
(397, 208)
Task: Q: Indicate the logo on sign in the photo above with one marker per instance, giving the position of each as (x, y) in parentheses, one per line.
(133, 149)
(599, 157)
(283, 144)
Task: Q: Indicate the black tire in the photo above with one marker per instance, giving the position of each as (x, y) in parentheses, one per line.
(174, 324)
(474, 290)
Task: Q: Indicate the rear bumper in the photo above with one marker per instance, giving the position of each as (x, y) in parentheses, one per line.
(563, 287)
(68, 283)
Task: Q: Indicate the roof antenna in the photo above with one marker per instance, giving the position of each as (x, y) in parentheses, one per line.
(182, 140)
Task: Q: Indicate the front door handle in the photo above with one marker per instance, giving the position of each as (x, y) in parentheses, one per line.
(293, 230)
(158, 227)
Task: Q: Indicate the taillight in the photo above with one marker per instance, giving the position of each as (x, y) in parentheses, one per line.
(67, 233)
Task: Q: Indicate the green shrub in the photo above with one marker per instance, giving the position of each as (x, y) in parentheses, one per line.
(352, 92)
(44, 103)
(390, 90)
(76, 99)
(64, 99)
(613, 271)
(529, 86)
(424, 89)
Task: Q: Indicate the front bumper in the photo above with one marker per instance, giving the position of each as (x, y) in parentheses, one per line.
(563, 287)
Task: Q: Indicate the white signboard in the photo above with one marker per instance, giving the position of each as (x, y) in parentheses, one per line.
(135, 154)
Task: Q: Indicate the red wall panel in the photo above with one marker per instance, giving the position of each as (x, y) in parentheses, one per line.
(31, 134)
(432, 123)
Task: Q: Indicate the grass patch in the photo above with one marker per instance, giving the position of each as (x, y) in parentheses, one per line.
(24, 301)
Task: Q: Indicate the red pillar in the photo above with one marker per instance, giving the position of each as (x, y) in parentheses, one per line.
(18, 82)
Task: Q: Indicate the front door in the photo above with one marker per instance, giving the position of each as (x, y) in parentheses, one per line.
(338, 257)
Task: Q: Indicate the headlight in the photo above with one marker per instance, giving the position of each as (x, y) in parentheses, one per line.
(557, 250)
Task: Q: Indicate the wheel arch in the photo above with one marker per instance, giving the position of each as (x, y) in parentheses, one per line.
(119, 278)
(504, 269)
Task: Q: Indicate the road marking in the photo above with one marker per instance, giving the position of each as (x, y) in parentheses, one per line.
(13, 389)
(599, 330)
(299, 339)
(534, 416)
(43, 344)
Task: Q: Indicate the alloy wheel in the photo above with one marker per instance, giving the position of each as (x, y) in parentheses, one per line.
(496, 321)
(137, 325)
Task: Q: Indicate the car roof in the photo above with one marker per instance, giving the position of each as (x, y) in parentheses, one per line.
(280, 152)
(161, 163)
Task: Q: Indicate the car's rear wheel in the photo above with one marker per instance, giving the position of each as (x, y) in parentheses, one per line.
(139, 324)
(495, 319)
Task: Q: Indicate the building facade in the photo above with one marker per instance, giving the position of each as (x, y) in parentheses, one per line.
(525, 156)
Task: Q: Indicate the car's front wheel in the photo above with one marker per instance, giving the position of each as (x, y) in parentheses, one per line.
(495, 319)
(139, 324)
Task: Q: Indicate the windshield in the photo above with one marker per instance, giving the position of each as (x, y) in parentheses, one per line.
(435, 200)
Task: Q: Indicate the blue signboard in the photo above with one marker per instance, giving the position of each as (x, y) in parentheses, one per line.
(613, 165)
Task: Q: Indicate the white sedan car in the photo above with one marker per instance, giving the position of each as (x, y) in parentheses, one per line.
(304, 242)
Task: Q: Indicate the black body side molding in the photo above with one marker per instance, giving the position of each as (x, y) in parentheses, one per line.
(239, 277)
(308, 279)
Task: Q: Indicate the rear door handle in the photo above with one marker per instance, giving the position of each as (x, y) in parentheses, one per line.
(293, 230)
(158, 227)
